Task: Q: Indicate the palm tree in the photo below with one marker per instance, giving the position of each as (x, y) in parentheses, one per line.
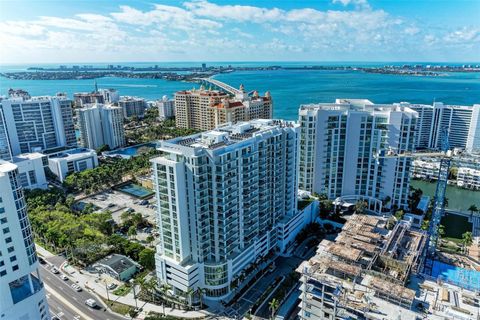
(190, 293)
(441, 230)
(473, 208)
(467, 239)
(273, 305)
(152, 286)
(360, 206)
(200, 292)
(164, 290)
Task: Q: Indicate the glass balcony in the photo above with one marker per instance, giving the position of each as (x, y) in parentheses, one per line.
(20, 289)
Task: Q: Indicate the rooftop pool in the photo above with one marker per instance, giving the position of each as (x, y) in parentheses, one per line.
(135, 190)
(129, 152)
(464, 278)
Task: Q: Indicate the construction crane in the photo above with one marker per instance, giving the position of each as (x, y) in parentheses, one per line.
(445, 156)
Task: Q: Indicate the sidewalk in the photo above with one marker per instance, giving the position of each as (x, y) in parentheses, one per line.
(43, 252)
(95, 284)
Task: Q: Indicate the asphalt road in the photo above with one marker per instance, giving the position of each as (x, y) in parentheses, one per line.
(66, 303)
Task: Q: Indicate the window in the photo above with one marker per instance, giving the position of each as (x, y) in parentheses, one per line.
(22, 177)
(2, 273)
(6, 230)
(8, 240)
(10, 249)
(15, 268)
(13, 258)
(32, 176)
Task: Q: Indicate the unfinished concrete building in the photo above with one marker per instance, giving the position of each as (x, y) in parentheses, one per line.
(363, 273)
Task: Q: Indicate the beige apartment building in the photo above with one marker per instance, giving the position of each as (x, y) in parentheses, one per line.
(204, 109)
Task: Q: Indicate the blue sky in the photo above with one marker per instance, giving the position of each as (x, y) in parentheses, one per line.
(208, 30)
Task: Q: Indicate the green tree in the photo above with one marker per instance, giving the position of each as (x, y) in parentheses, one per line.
(146, 258)
(360, 206)
(273, 306)
(473, 208)
(441, 230)
(467, 239)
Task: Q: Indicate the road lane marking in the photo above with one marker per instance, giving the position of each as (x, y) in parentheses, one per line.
(65, 302)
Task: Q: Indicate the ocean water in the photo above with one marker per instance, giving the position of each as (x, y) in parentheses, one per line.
(289, 88)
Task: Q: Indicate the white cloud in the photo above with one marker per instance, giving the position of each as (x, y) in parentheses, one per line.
(198, 30)
(464, 35)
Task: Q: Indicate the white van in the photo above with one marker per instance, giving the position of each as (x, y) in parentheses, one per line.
(91, 303)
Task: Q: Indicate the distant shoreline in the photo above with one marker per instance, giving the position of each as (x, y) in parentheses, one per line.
(192, 74)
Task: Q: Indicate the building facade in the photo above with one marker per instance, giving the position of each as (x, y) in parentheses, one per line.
(22, 294)
(5, 150)
(110, 95)
(31, 170)
(83, 98)
(332, 135)
(38, 124)
(473, 140)
(166, 108)
(69, 161)
(206, 109)
(462, 123)
(132, 106)
(222, 196)
(101, 125)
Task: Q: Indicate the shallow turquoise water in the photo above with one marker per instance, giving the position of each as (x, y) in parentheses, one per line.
(289, 88)
(458, 198)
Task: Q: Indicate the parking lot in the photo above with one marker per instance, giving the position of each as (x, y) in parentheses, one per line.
(118, 202)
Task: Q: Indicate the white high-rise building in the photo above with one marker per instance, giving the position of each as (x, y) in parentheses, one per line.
(22, 295)
(473, 140)
(110, 95)
(37, 124)
(132, 106)
(222, 196)
(101, 125)
(166, 108)
(462, 123)
(5, 150)
(338, 145)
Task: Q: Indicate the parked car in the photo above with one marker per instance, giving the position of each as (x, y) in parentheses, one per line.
(54, 270)
(76, 287)
(63, 277)
(143, 202)
(91, 303)
(111, 286)
(110, 205)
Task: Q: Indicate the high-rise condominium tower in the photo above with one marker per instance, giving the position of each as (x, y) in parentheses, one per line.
(101, 125)
(462, 123)
(5, 150)
(221, 197)
(22, 295)
(132, 106)
(38, 123)
(206, 109)
(339, 144)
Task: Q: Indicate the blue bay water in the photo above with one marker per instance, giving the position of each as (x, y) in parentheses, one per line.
(289, 88)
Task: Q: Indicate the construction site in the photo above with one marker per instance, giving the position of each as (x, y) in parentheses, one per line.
(370, 272)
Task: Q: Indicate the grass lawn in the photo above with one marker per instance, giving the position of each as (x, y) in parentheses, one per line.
(123, 290)
(117, 307)
(455, 226)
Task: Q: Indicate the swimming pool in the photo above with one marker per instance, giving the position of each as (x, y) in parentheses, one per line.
(129, 151)
(467, 279)
(135, 190)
